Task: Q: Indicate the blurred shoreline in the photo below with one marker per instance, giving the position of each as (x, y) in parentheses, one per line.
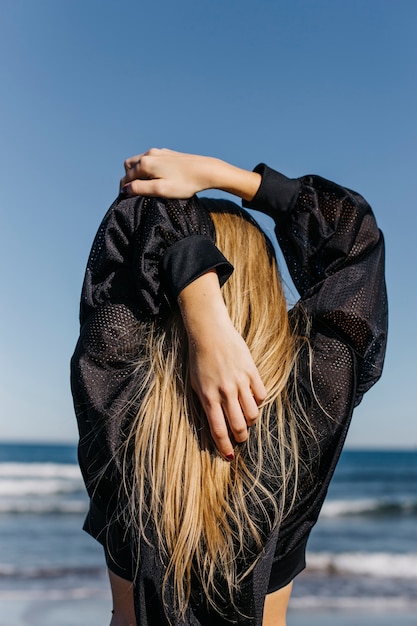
(96, 612)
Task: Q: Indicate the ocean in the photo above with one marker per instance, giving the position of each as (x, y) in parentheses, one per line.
(362, 553)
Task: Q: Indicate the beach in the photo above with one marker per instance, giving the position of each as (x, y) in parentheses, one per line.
(362, 555)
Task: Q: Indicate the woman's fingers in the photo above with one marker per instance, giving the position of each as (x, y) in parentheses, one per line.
(143, 187)
(150, 164)
(230, 413)
(149, 176)
(137, 168)
(218, 428)
(249, 406)
(136, 160)
(131, 162)
(230, 410)
(177, 175)
(230, 399)
(235, 418)
(258, 388)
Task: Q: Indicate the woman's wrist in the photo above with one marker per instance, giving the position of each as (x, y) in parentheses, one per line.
(202, 306)
(240, 182)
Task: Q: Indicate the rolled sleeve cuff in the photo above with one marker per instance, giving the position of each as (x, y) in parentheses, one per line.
(189, 258)
(276, 195)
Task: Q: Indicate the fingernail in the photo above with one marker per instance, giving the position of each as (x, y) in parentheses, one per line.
(230, 457)
(126, 190)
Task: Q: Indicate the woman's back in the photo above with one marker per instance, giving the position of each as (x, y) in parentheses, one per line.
(197, 522)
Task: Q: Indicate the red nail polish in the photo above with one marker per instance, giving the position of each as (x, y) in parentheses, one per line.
(230, 457)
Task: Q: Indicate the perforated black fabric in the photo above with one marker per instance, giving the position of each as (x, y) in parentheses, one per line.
(334, 252)
(124, 262)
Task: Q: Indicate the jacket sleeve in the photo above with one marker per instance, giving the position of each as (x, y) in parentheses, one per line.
(335, 255)
(146, 251)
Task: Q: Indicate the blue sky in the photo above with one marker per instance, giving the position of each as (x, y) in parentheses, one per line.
(313, 86)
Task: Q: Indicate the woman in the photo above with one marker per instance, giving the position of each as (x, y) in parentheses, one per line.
(206, 506)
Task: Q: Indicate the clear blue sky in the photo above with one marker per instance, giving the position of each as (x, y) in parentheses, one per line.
(309, 86)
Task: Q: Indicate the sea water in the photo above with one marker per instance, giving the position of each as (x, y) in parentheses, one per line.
(361, 554)
(44, 554)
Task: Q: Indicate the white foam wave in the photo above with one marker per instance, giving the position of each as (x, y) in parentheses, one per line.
(339, 508)
(342, 508)
(51, 572)
(39, 470)
(38, 479)
(54, 594)
(374, 564)
(374, 603)
(32, 487)
(42, 506)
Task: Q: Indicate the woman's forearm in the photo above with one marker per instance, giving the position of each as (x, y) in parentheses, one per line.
(172, 174)
(240, 182)
(223, 374)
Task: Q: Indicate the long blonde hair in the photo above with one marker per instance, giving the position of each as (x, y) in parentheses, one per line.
(211, 517)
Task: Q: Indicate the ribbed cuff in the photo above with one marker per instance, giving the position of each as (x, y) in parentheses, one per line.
(189, 258)
(276, 195)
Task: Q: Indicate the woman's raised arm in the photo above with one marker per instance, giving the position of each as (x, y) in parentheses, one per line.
(223, 373)
(168, 174)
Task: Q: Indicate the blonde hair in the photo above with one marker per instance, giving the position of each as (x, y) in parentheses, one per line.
(209, 514)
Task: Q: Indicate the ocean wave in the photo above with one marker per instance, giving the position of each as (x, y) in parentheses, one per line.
(43, 506)
(19, 480)
(375, 604)
(373, 564)
(369, 507)
(353, 603)
(79, 593)
(36, 487)
(39, 470)
(30, 573)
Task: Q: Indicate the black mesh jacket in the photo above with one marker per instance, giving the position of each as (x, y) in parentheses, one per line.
(145, 252)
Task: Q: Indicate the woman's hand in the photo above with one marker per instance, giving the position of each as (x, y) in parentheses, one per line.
(168, 174)
(223, 373)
